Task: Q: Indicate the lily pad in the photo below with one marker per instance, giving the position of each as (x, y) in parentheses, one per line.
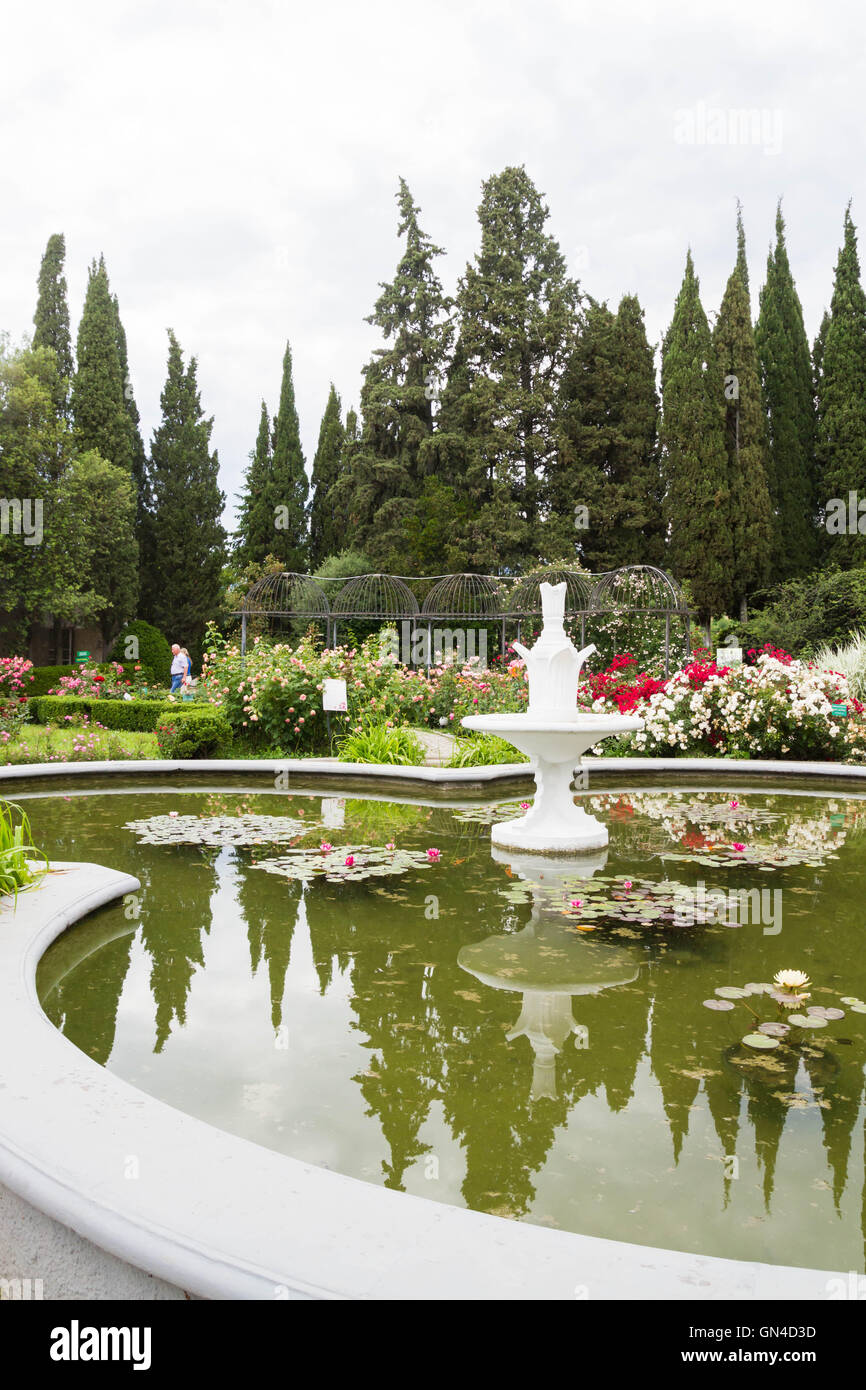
(807, 1021)
(774, 1030)
(834, 1013)
(731, 992)
(218, 830)
(858, 1008)
(762, 988)
(850, 999)
(717, 1004)
(760, 1040)
(369, 861)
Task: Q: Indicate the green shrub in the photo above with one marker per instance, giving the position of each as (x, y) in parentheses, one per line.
(139, 716)
(154, 651)
(379, 744)
(184, 734)
(485, 751)
(803, 614)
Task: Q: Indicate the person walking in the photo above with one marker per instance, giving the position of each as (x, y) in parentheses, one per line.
(186, 682)
(179, 667)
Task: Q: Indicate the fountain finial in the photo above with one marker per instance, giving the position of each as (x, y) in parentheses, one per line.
(554, 664)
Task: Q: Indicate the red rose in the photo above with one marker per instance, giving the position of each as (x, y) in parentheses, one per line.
(99, 678)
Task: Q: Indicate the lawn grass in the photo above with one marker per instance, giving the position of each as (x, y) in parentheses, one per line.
(36, 743)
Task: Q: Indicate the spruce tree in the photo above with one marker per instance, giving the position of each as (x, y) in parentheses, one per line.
(518, 318)
(51, 319)
(384, 468)
(750, 519)
(286, 491)
(786, 379)
(697, 496)
(609, 454)
(325, 539)
(189, 541)
(842, 416)
(254, 538)
(102, 421)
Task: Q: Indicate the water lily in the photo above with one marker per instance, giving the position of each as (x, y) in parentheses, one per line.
(576, 902)
(627, 885)
(791, 979)
(524, 805)
(433, 855)
(173, 813)
(734, 804)
(349, 860)
(390, 844)
(738, 847)
(325, 847)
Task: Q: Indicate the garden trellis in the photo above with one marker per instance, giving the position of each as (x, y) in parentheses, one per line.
(602, 604)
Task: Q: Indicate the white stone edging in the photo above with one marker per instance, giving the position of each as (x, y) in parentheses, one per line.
(225, 1218)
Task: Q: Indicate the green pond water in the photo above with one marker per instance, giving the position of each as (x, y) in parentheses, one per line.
(534, 1047)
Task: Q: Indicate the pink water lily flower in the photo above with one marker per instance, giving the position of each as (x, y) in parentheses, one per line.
(576, 902)
(433, 855)
(734, 804)
(738, 847)
(325, 847)
(172, 813)
(390, 844)
(350, 859)
(524, 805)
(627, 885)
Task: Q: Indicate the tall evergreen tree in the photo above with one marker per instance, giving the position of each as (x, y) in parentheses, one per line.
(51, 319)
(325, 539)
(383, 470)
(286, 493)
(143, 501)
(254, 538)
(842, 416)
(518, 317)
(609, 457)
(750, 518)
(102, 421)
(189, 541)
(786, 378)
(697, 497)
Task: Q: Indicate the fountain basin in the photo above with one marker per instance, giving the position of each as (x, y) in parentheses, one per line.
(553, 824)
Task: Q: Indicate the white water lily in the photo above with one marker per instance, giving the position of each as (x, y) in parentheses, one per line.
(791, 979)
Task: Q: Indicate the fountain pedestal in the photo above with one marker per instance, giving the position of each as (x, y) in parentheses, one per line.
(554, 735)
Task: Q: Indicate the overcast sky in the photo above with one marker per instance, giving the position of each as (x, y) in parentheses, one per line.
(237, 160)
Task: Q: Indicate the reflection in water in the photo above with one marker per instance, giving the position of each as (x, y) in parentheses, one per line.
(407, 1061)
(548, 963)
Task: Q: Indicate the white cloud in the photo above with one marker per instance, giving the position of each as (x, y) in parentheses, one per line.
(237, 163)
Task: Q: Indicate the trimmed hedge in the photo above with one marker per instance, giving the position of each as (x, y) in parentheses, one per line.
(137, 716)
(154, 650)
(201, 733)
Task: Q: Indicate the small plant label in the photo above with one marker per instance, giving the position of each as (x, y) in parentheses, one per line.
(839, 710)
(726, 656)
(334, 695)
(82, 656)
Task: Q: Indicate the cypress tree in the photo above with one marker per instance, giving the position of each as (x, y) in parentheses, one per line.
(384, 468)
(254, 538)
(189, 541)
(325, 539)
(786, 378)
(518, 319)
(51, 319)
(99, 409)
(697, 496)
(143, 515)
(286, 492)
(842, 416)
(609, 455)
(750, 513)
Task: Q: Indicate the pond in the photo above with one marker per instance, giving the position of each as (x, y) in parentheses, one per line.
(525, 1037)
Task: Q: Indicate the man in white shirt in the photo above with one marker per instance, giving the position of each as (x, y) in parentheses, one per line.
(178, 667)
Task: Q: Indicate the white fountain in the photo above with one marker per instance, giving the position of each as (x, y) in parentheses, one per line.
(554, 735)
